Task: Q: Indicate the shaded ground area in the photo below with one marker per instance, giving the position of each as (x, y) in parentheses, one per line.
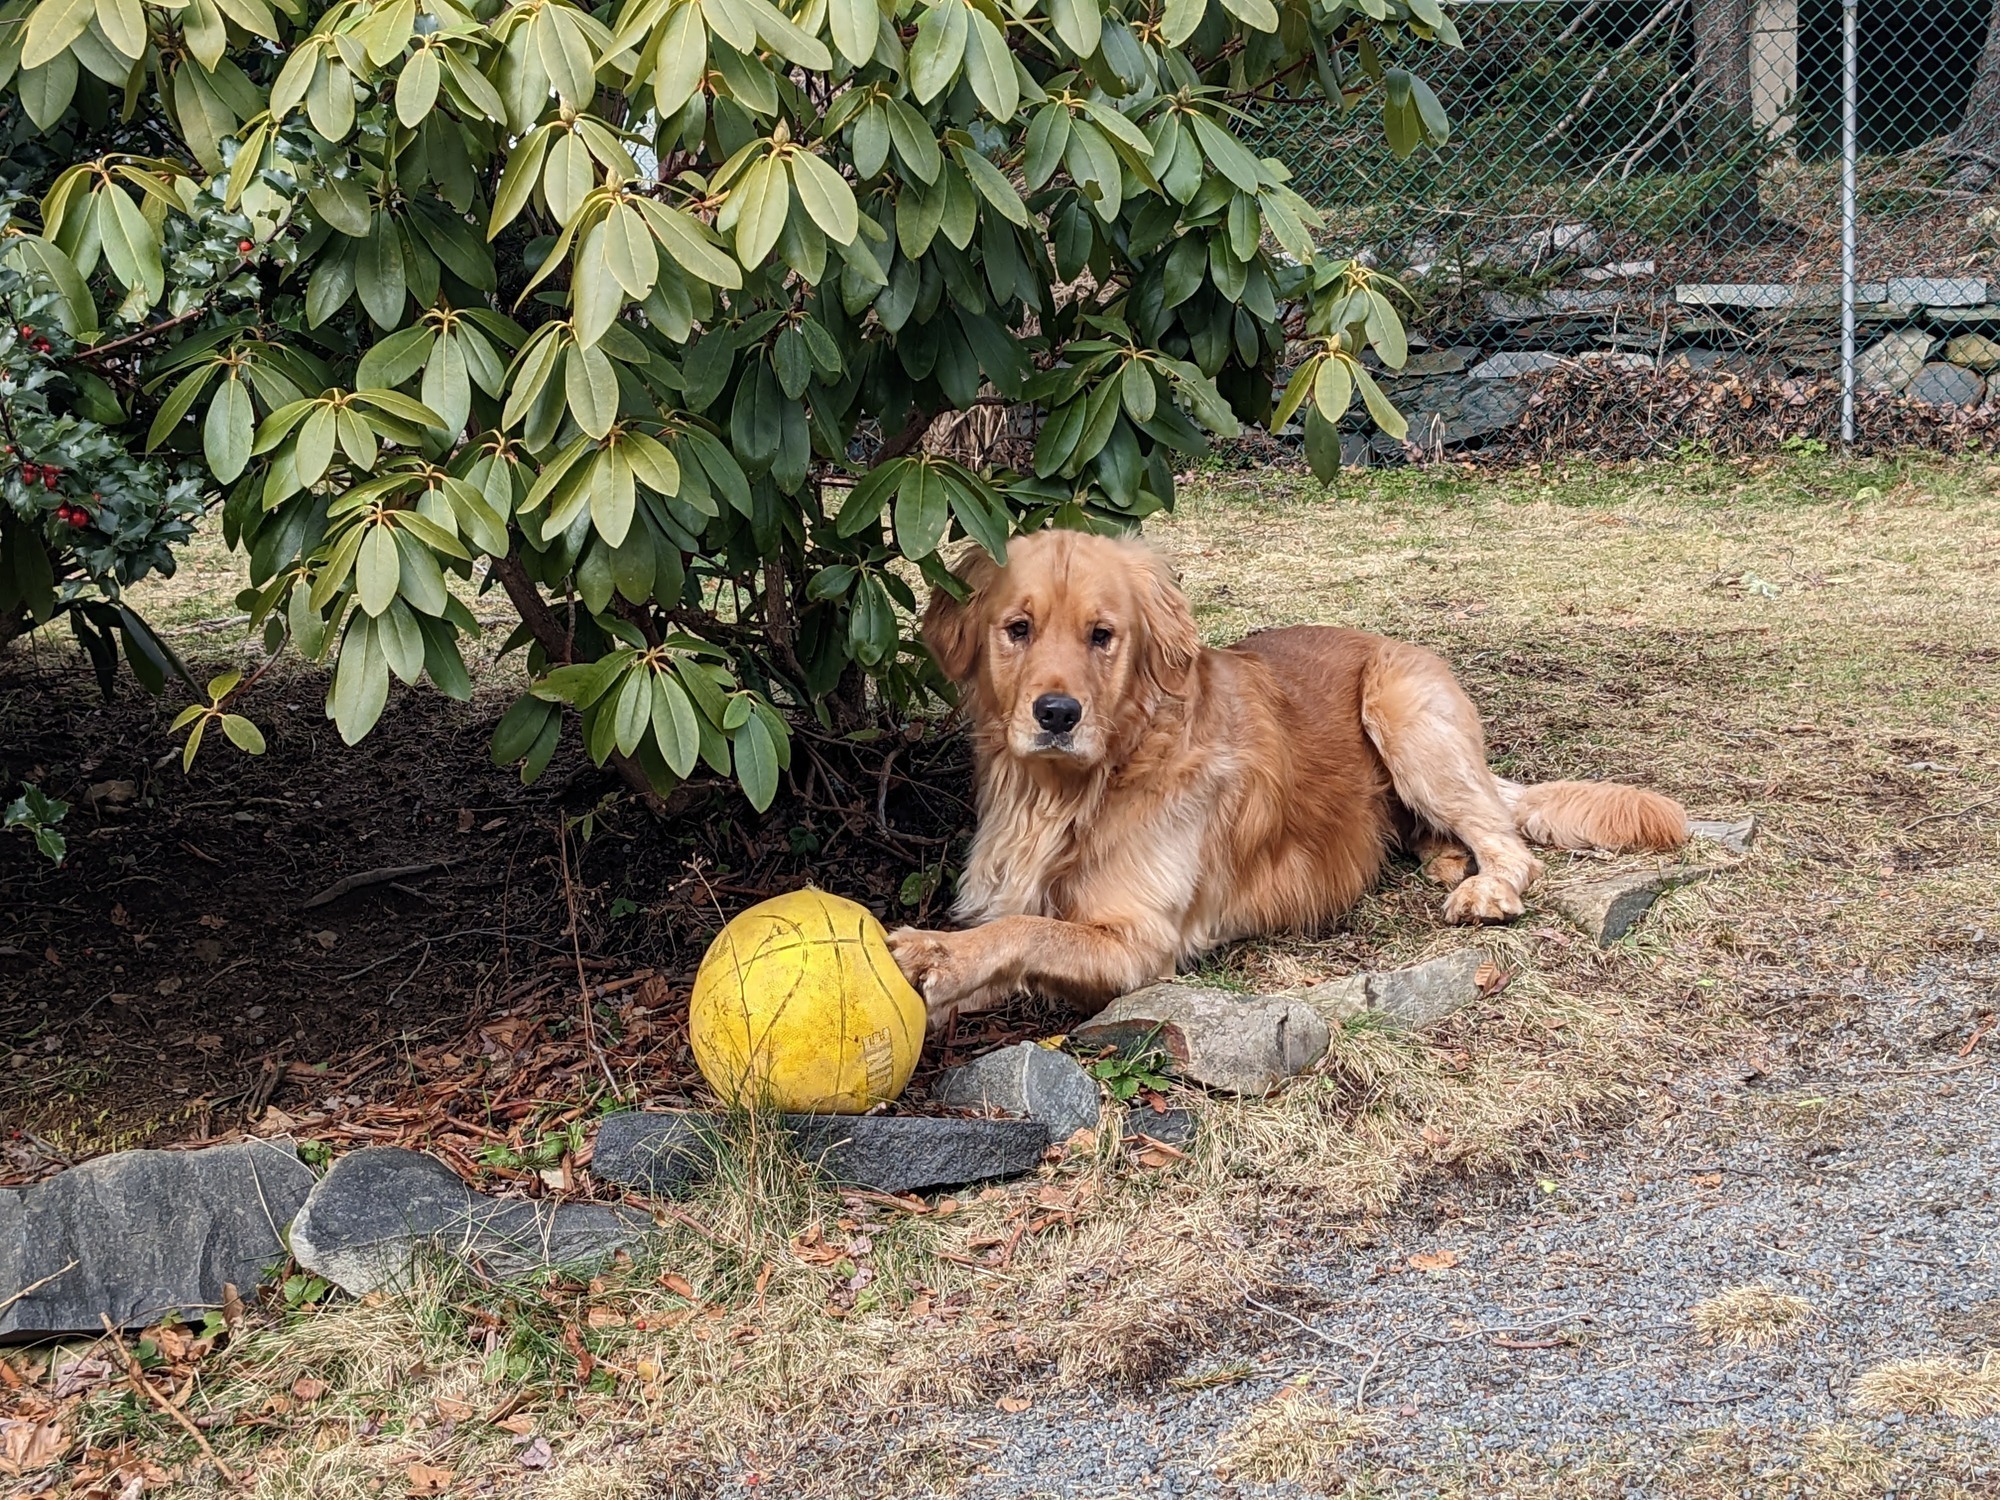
(196, 960)
(1587, 1332)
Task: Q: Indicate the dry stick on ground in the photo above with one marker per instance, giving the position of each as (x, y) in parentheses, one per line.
(1374, 1356)
(145, 1388)
(383, 876)
(576, 951)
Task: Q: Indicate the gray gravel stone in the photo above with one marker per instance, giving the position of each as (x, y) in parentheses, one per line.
(1607, 907)
(1245, 1044)
(366, 1221)
(1027, 1082)
(139, 1234)
(662, 1153)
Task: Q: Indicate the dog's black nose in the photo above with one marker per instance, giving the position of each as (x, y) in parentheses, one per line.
(1057, 713)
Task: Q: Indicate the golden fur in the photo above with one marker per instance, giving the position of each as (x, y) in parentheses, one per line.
(1204, 795)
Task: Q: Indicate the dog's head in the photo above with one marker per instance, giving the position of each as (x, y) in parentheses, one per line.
(1069, 647)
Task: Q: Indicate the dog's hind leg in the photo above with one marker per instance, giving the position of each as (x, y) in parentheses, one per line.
(1431, 741)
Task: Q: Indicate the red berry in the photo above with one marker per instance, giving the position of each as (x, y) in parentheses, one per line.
(244, 247)
(27, 332)
(30, 473)
(78, 517)
(43, 347)
(48, 479)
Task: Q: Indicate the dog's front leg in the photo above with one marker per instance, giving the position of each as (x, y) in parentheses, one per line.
(1085, 964)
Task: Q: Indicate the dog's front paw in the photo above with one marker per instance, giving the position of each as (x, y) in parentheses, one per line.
(1483, 898)
(935, 968)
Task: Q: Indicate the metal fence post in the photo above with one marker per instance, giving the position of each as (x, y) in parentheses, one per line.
(1849, 146)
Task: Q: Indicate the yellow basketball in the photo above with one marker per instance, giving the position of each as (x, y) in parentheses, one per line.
(799, 1006)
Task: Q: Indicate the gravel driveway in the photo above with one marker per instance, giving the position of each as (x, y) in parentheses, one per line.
(1851, 1162)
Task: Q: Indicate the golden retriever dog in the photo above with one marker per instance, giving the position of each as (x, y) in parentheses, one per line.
(1142, 798)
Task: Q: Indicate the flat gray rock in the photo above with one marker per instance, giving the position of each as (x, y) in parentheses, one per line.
(1511, 364)
(1512, 307)
(1988, 312)
(1027, 1082)
(1893, 363)
(1410, 998)
(378, 1209)
(1937, 291)
(1171, 1127)
(1734, 834)
(1245, 1044)
(1606, 908)
(661, 1153)
(138, 1234)
(1943, 384)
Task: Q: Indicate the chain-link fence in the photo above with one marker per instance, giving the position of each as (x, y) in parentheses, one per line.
(1661, 180)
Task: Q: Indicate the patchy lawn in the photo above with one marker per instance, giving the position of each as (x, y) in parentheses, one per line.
(1810, 641)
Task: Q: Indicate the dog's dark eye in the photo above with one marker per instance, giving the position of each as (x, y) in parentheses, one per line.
(1018, 631)
(1100, 637)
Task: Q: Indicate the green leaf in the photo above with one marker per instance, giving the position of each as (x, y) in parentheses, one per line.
(314, 449)
(612, 498)
(826, 196)
(377, 570)
(765, 192)
(360, 681)
(674, 728)
(1181, 20)
(1079, 23)
(130, 244)
(915, 143)
(417, 87)
(378, 273)
(756, 763)
(1258, 15)
(1332, 389)
(591, 387)
(52, 26)
(922, 512)
(989, 67)
(229, 430)
(1228, 155)
(938, 49)
(515, 735)
(856, 24)
(1379, 406)
(634, 708)
(993, 186)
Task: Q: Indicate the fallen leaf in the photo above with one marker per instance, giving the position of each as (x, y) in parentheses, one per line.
(454, 1410)
(428, 1479)
(466, 819)
(520, 1424)
(310, 1388)
(326, 937)
(26, 1445)
(1434, 1136)
(232, 1305)
(604, 1317)
(1435, 1260)
(1016, 1404)
(1709, 1180)
(679, 1285)
(210, 921)
(535, 1455)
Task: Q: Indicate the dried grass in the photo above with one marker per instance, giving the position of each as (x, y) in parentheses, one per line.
(1752, 1317)
(1297, 1438)
(1924, 1387)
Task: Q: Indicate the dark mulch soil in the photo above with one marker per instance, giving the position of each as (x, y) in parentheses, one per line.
(173, 980)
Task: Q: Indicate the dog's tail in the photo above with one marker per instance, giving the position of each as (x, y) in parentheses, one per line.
(1596, 815)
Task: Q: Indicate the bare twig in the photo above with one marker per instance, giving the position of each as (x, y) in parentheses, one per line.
(582, 983)
(1373, 1356)
(35, 1286)
(1945, 816)
(383, 876)
(146, 1388)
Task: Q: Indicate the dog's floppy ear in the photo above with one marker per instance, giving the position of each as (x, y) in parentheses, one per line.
(954, 628)
(1171, 642)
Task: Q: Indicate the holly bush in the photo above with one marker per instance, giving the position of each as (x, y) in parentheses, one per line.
(667, 319)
